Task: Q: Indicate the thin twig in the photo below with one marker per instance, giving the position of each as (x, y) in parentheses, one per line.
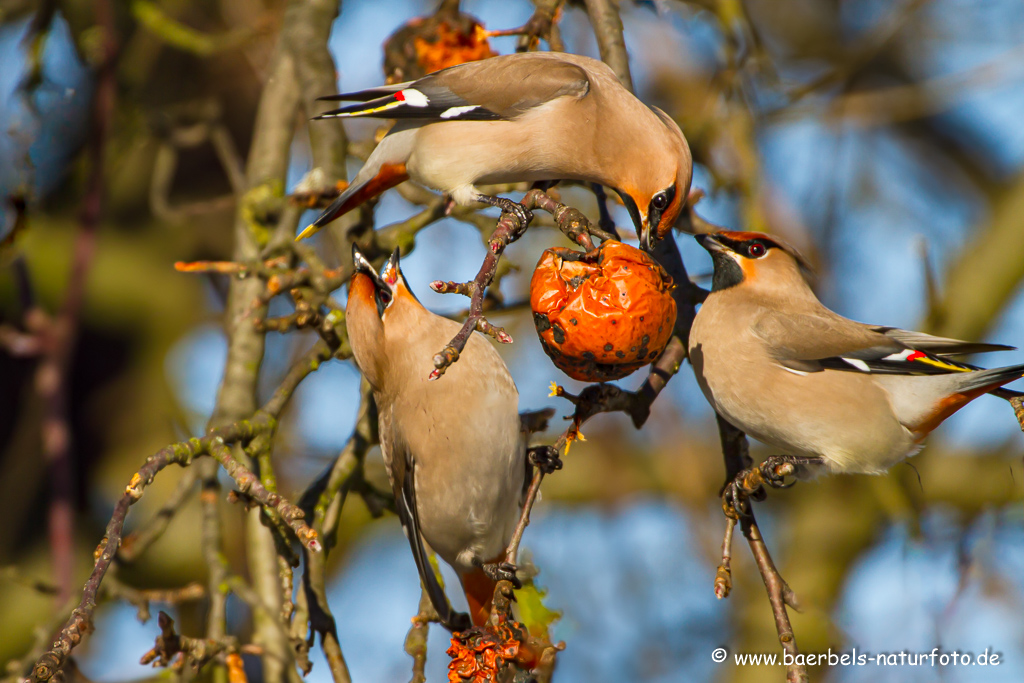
(215, 444)
(249, 484)
(542, 24)
(504, 234)
(136, 543)
(570, 221)
(512, 551)
(593, 400)
(81, 617)
(723, 574)
(737, 458)
(325, 497)
(416, 638)
(194, 652)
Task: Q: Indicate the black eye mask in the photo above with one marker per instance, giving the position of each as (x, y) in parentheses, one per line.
(659, 203)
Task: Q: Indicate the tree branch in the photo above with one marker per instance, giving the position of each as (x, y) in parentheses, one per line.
(570, 221)
(737, 458)
(262, 423)
(604, 17)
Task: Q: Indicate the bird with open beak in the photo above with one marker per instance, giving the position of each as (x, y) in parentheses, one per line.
(536, 116)
(454, 449)
(833, 394)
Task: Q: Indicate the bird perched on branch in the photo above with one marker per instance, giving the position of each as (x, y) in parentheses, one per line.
(454, 450)
(835, 395)
(536, 116)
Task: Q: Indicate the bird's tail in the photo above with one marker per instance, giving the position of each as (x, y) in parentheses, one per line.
(987, 380)
(479, 589)
(377, 102)
(386, 177)
(964, 388)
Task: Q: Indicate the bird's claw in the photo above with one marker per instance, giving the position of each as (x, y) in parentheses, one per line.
(775, 469)
(502, 571)
(736, 498)
(545, 458)
(521, 215)
(749, 483)
(516, 211)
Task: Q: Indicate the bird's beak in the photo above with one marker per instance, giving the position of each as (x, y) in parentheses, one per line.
(648, 237)
(710, 242)
(644, 231)
(391, 272)
(362, 266)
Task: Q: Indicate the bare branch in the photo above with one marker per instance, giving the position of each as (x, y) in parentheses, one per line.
(604, 17)
(215, 443)
(570, 221)
(416, 639)
(136, 543)
(542, 24)
(737, 458)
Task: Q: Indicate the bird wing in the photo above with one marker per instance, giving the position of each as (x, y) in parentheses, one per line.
(403, 482)
(488, 90)
(940, 346)
(812, 342)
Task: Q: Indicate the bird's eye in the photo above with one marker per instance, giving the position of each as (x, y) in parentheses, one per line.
(757, 250)
(660, 201)
(383, 300)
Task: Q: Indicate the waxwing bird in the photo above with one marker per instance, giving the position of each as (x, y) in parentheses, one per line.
(454, 449)
(832, 394)
(536, 116)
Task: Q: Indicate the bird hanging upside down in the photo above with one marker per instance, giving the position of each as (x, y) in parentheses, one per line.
(454, 450)
(537, 116)
(833, 394)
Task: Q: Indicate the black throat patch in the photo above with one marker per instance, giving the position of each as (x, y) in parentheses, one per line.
(727, 272)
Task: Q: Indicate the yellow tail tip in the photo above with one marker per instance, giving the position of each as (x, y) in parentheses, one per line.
(310, 230)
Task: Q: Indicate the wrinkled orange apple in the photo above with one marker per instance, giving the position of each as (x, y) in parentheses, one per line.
(602, 314)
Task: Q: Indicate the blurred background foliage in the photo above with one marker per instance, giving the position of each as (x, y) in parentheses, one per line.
(883, 138)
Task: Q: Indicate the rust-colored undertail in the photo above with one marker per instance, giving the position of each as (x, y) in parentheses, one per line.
(479, 589)
(987, 381)
(387, 177)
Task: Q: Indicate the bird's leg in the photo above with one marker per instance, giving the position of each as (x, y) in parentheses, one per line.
(517, 211)
(736, 495)
(776, 467)
(502, 571)
(750, 482)
(570, 221)
(544, 458)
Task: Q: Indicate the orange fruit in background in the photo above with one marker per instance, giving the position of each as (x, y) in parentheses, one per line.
(602, 314)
